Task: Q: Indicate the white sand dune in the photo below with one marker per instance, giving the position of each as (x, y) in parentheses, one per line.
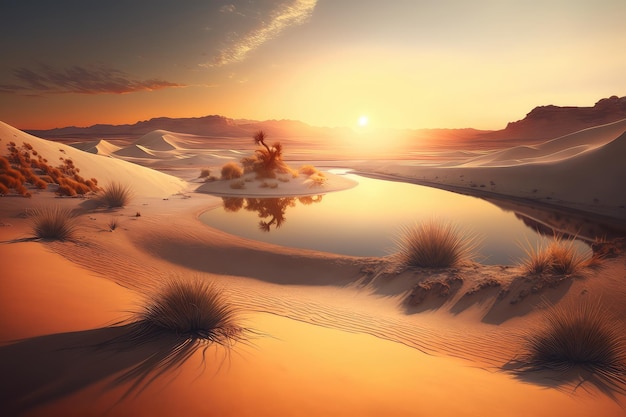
(99, 147)
(143, 181)
(159, 140)
(554, 150)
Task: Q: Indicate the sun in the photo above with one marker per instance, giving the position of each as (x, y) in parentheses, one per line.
(363, 121)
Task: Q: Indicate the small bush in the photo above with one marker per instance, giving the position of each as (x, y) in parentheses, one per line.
(578, 336)
(317, 180)
(193, 309)
(53, 223)
(308, 170)
(434, 244)
(558, 257)
(238, 185)
(115, 195)
(205, 172)
(231, 171)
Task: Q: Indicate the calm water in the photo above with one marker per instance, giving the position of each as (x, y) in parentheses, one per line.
(363, 221)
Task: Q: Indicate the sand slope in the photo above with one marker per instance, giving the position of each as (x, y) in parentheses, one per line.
(143, 181)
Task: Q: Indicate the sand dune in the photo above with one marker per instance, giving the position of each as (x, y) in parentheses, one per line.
(159, 140)
(99, 147)
(143, 181)
(554, 150)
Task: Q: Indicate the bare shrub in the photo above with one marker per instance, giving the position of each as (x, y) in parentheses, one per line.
(53, 223)
(191, 309)
(558, 257)
(231, 171)
(434, 244)
(308, 170)
(577, 336)
(114, 195)
(238, 185)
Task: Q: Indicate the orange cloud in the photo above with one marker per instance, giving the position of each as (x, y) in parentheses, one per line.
(80, 80)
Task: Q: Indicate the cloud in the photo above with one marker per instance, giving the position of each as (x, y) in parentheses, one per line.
(80, 80)
(287, 15)
(228, 8)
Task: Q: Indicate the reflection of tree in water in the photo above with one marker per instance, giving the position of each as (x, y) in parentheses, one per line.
(270, 210)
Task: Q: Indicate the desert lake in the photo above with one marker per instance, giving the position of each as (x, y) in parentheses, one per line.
(365, 220)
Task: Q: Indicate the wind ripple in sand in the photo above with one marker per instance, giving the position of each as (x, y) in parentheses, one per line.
(491, 349)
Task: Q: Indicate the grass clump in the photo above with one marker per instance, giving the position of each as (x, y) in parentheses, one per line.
(580, 337)
(434, 244)
(558, 257)
(191, 309)
(231, 171)
(53, 223)
(204, 173)
(115, 195)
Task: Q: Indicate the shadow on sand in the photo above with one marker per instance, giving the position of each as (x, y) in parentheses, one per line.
(42, 369)
(569, 380)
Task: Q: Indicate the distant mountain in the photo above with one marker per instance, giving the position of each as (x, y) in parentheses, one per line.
(207, 125)
(547, 122)
(542, 123)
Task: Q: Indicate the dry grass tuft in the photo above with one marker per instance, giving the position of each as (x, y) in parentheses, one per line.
(53, 223)
(434, 244)
(115, 195)
(558, 257)
(191, 309)
(581, 337)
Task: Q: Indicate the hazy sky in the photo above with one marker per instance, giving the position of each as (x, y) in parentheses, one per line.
(404, 64)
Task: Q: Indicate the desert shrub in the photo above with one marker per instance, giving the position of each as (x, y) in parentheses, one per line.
(204, 172)
(434, 244)
(559, 257)
(308, 170)
(316, 180)
(191, 309)
(580, 336)
(231, 170)
(238, 185)
(53, 223)
(3, 189)
(114, 195)
(266, 161)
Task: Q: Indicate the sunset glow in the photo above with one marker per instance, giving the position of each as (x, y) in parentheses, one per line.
(414, 64)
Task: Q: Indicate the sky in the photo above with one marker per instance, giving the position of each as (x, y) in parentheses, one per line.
(394, 63)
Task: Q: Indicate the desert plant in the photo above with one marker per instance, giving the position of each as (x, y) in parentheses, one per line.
(559, 256)
(434, 244)
(581, 336)
(204, 172)
(114, 195)
(238, 185)
(231, 171)
(308, 170)
(53, 223)
(191, 309)
(267, 161)
(112, 224)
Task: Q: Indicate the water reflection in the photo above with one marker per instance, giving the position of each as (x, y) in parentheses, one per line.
(365, 220)
(270, 210)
